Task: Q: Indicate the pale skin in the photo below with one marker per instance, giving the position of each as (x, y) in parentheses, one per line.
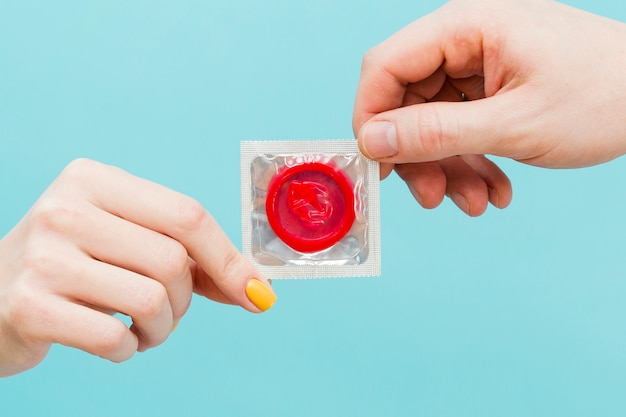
(545, 84)
(101, 241)
(532, 80)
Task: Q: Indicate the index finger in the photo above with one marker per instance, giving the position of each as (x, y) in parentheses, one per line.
(443, 39)
(182, 218)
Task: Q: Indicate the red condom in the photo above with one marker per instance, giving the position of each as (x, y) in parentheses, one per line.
(310, 206)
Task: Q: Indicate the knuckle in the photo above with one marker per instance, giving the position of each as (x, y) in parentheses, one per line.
(77, 170)
(174, 259)
(111, 342)
(43, 267)
(51, 214)
(230, 267)
(78, 167)
(24, 311)
(39, 264)
(191, 214)
(371, 58)
(430, 132)
(368, 59)
(152, 301)
(20, 307)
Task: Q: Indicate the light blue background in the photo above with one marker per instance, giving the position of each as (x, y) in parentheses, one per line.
(519, 312)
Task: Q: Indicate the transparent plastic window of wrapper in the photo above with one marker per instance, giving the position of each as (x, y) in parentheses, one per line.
(310, 209)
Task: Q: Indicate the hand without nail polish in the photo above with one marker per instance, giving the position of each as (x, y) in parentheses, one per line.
(379, 139)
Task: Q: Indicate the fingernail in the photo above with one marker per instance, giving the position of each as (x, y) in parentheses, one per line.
(460, 201)
(260, 294)
(174, 326)
(380, 139)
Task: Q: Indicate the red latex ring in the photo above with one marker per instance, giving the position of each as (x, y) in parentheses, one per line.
(310, 206)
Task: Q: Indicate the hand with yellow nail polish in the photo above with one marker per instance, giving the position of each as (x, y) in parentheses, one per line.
(100, 241)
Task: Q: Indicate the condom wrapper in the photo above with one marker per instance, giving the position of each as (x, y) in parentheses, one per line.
(310, 209)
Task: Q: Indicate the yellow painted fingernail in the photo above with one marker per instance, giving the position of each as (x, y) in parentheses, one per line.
(260, 294)
(174, 326)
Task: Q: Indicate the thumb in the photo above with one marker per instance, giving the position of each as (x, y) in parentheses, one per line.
(437, 130)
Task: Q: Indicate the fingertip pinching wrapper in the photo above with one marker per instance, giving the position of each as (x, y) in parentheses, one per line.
(310, 209)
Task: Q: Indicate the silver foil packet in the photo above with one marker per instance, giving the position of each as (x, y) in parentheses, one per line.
(310, 209)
